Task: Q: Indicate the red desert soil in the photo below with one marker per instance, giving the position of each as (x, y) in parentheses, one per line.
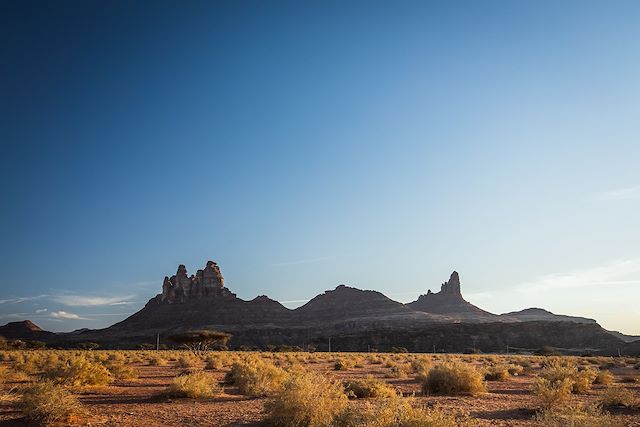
(141, 401)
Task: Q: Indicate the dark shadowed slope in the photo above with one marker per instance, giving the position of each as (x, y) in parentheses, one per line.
(449, 302)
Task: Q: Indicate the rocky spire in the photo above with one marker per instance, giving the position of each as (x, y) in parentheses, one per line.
(452, 287)
(206, 282)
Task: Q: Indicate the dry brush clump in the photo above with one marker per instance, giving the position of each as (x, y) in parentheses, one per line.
(604, 378)
(256, 377)
(452, 378)
(46, 402)
(557, 369)
(78, 371)
(306, 399)
(553, 394)
(619, 397)
(396, 411)
(197, 385)
(369, 387)
(577, 415)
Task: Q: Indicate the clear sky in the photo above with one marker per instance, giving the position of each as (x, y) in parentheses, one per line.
(302, 145)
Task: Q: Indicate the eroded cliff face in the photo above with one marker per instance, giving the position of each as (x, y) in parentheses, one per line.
(205, 283)
(449, 302)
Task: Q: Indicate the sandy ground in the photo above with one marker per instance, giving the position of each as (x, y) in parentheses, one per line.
(142, 402)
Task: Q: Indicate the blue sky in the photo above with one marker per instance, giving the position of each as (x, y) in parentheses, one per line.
(303, 145)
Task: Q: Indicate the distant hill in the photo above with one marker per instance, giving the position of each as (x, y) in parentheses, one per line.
(25, 330)
(536, 314)
(352, 319)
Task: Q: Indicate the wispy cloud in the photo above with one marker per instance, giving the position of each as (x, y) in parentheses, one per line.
(41, 310)
(92, 301)
(19, 300)
(66, 315)
(617, 194)
(615, 273)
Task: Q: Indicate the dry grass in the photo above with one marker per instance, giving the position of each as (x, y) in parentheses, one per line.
(577, 415)
(604, 378)
(46, 402)
(257, 377)
(307, 400)
(396, 412)
(553, 394)
(621, 397)
(198, 385)
(78, 371)
(369, 387)
(453, 378)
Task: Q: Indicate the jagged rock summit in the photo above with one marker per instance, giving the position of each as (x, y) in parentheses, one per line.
(205, 283)
(449, 301)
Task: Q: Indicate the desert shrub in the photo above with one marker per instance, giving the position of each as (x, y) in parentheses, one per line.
(46, 402)
(343, 364)
(213, 362)
(577, 415)
(197, 385)
(157, 361)
(583, 380)
(618, 396)
(515, 369)
(256, 377)
(115, 357)
(420, 368)
(78, 371)
(497, 373)
(556, 370)
(120, 371)
(604, 378)
(188, 361)
(369, 387)
(553, 394)
(395, 412)
(398, 371)
(306, 400)
(453, 378)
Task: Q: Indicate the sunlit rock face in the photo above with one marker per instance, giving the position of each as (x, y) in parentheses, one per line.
(205, 283)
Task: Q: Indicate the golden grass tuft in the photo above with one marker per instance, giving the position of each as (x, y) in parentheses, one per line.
(307, 400)
(78, 371)
(452, 378)
(369, 387)
(577, 415)
(197, 385)
(620, 397)
(46, 402)
(396, 411)
(553, 394)
(257, 377)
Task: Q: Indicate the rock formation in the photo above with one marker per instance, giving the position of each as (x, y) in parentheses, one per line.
(354, 319)
(449, 302)
(205, 283)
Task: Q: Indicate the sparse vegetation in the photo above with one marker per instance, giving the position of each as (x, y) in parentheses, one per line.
(78, 371)
(46, 402)
(453, 378)
(197, 385)
(307, 400)
(256, 377)
(369, 387)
